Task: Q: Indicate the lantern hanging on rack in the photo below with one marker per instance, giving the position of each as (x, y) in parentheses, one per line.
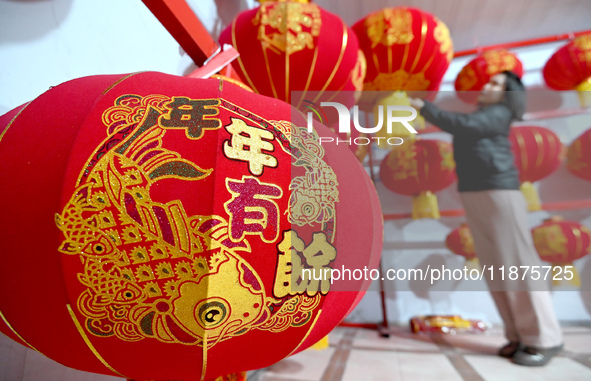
(159, 217)
(579, 156)
(472, 78)
(538, 152)
(560, 243)
(406, 49)
(296, 46)
(460, 242)
(419, 168)
(569, 68)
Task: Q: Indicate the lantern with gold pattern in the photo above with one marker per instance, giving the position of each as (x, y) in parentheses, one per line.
(579, 156)
(538, 152)
(569, 68)
(460, 242)
(419, 168)
(295, 46)
(478, 72)
(560, 243)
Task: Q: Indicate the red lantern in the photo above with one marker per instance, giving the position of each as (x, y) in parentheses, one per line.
(405, 49)
(560, 243)
(569, 68)
(292, 46)
(460, 242)
(419, 168)
(478, 72)
(152, 223)
(538, 152)
(579, 156)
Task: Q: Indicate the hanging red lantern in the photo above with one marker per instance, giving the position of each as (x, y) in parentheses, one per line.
(460, 242)
(419, 168)
(579, 156)
(406, 49)
(560, 243)
(159, 217)
(478, 72)
(294, 46)
(538, 152)
(569, 68)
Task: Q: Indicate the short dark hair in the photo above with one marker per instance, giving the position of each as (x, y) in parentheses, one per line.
(514, 97)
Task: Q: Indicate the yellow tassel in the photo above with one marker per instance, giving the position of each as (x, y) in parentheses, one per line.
(561, 273)
(531, 196)
(584, 90)
(473, 264)
(424, 205)
(321, 344)
(397, 98)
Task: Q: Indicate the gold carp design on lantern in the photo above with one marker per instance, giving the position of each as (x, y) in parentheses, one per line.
(288, 27)
(441, 34)
(150, 270)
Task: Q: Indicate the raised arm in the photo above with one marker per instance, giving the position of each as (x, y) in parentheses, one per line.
(490, 120)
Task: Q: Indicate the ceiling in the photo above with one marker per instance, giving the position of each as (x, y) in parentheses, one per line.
(472, 23)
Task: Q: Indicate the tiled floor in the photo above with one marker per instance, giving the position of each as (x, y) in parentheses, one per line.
(358, 354)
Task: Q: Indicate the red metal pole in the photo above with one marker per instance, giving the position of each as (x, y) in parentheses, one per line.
(519, 44)
(185, 27)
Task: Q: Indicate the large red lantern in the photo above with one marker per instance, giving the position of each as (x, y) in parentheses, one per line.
(569, 68)
(478, 72)
(579, 156)
(560, 243)
(151, 222)
(419, 168)
(538, 152)
(405, 49)
(293, 46)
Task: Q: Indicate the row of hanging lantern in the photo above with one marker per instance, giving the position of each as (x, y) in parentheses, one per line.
(557, 241)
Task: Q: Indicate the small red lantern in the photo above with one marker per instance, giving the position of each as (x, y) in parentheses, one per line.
(460, 242)
(560, 243)
(579, 156)
(478, 72)
(160, 217)
(569, 68)
(419, 168)
(294, 46)
(538, 152)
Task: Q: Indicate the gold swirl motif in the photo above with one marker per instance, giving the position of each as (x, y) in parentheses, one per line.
(574, 157)
(403, 161)
(466, 239)
(447, 156)
(315, 194)
(295, 312)
(288, 27)
(441, 34)
(390, 26)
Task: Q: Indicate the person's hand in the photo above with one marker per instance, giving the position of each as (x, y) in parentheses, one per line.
(417, 103)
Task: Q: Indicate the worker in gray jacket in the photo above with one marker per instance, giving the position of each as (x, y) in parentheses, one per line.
(496, 212)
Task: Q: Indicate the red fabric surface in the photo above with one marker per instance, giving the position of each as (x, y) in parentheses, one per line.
(538, 152)
(579, 156)
(167, 242)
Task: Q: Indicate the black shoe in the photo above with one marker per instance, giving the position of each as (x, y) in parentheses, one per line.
(531, 356)
(510, 349)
